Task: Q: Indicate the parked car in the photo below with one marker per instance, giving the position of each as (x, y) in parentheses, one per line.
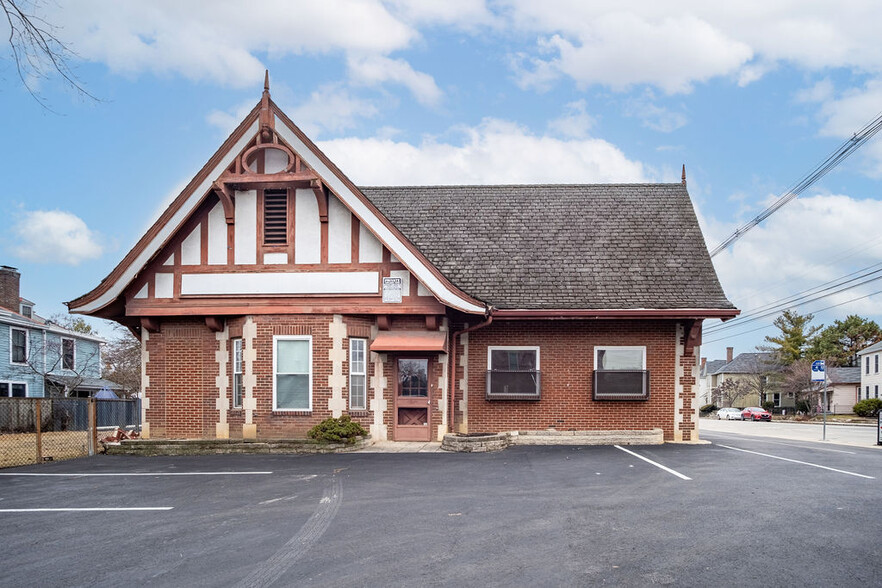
(754, 413)
(729, 414)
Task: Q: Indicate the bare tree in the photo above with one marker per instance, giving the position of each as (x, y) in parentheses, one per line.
(122, 360)
(730, 391)
(796, 378)
(36, 50)
(59, 357)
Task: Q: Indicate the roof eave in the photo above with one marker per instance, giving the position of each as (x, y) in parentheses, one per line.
(621, 313)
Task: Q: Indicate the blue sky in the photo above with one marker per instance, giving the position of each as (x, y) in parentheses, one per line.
(750, 98)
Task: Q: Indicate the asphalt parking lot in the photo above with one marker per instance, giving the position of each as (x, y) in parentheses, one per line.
(742, 511)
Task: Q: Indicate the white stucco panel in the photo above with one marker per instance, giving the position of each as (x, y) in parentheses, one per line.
(165, 286)
(280, 283)
(405, 280)
(191, 248)
(217, 236)
(307, 228)
(245, 227)
(142, 293)
(339, 232)
(370, 250)
(275, 258)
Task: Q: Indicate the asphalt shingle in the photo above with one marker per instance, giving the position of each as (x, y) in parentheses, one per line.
(598, 246)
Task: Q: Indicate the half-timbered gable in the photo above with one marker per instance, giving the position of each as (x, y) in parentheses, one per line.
(274, 293)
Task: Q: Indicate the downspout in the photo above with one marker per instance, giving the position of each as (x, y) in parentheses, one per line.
(453, 380)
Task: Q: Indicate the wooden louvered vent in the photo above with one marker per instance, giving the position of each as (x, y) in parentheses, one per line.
(275, 217)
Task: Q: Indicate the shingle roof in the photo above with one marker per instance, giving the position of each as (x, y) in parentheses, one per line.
(712, 366)
(600, 246)
(871, 348)
(749, 363)
(844, 375)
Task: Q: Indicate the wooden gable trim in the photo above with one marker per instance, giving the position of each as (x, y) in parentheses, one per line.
(166, 225)
(365, 211)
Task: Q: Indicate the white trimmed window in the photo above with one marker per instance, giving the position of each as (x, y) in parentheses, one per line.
(68, 354)
(18, 346)
(292, 372)
(357, 374)
(237, 373)
(513, 373)
(13, 389)
(620, 373)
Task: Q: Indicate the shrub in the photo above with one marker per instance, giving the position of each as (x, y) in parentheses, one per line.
(768, 405)
(707, 409)
(340, 430)
(868, 408)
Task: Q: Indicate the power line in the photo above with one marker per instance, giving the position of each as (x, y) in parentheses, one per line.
(814, 311)
(777, 305)
(834, 159)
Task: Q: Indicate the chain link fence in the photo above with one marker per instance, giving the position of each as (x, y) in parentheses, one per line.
(34, 430)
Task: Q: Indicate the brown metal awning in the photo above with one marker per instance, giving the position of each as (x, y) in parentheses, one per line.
(435, 341)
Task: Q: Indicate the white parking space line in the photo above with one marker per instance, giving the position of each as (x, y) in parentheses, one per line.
(812, 447)
(814, 465)
(76, 474)
(656, 464)
(96, 509)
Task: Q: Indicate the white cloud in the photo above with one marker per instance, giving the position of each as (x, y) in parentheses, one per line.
(775, 260)
(673, 45)
(375, 69)
(467, 14)
(576, 122)
(218, 40)
(494, 152)
(55, 236)
(653, 116)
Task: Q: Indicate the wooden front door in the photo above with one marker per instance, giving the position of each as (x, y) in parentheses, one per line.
(412, 400)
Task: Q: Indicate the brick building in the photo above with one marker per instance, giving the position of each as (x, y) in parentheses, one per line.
(274, 293)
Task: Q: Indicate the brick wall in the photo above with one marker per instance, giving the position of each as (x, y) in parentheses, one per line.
(566, 363)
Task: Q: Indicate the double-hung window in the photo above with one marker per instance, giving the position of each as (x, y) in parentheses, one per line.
(68, 354)
(867, 363)
(13, 389)
(513, 373)
(620, 373)
(877, 363)
(237, 373)
(357, 374)
(18, 345)
(292, 372)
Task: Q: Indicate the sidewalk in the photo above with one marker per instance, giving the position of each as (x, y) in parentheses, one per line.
(854, 435)
(403, 447)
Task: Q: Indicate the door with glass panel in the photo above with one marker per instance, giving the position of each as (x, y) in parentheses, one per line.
(412, 400)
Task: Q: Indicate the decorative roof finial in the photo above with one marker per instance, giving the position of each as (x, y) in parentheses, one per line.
(683, 177)
(267, 120)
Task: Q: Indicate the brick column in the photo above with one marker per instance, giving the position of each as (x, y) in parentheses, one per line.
(145, 383)
(249, 378)
(463, 364)
(222, 382)
(379, 404)
(337, 355)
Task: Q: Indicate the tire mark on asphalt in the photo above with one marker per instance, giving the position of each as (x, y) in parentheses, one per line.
(277, 564)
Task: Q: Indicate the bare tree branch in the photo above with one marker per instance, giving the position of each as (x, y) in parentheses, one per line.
(36, 50)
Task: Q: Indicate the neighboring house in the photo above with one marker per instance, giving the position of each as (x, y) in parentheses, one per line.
(708, 379)
(274, 293)
(871, 377)
(39, 358)
(843, 389)
(755, 371)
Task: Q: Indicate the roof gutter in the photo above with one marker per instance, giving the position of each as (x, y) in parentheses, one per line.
(638, 313)
(452, 374)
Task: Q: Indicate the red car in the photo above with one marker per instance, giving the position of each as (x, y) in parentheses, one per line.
(754, 413)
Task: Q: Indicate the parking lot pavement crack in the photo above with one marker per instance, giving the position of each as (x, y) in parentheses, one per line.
(271, 569)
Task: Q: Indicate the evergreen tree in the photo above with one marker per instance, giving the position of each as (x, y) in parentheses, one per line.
(841, 341)
(793, 342)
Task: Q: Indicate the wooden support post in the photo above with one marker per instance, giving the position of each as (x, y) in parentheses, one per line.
(38, 417)
(93, 426)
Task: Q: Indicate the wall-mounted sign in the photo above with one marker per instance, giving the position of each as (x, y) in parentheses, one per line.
(392, 289)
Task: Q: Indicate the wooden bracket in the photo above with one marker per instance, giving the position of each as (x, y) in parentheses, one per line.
(383, 322)
(215, 323)
(693, 337)
(321, 195)
(226, 199)
(432, 322)
(151, 323)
